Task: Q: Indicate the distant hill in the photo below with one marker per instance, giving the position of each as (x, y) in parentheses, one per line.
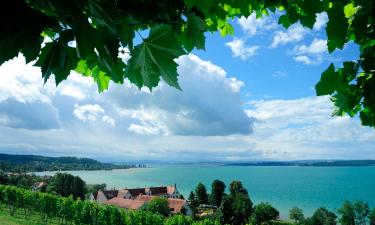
(312, 163)
(37, 163)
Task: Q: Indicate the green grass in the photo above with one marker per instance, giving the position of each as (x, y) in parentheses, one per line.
(19, 219)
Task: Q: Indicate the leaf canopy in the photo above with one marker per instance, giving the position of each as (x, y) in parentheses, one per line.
(88, 36)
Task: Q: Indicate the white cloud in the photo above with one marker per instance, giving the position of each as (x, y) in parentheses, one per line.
(293, 34)
(252, 25)
(312, 54)
(321, 21)
(88, 112)
(317, 46)
(109, 120)
(240, 50)
(205, 121)
(304, 129)
(208, 105)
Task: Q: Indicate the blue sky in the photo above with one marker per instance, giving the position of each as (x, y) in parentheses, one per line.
(249, 96)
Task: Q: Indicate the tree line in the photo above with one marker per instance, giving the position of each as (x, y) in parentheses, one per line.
(62, 184)
(67, 210)
(236, 207)
(36, 163)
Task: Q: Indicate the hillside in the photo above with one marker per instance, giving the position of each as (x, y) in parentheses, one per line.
(37, 163)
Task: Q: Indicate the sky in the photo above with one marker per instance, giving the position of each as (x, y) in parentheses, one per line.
(247, 97)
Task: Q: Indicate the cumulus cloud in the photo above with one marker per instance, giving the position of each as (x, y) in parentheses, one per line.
(252, 25)
(208, 105)
(293, 34)
(88, 112)
(206, 121)
(312, 54)
(240, 50)
(321, 21)
(304, 129)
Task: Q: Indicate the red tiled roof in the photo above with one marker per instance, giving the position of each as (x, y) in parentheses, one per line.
(125, 203)
(175, 204)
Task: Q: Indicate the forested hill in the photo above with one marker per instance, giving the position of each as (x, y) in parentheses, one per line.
(37, 163)
(307, 163)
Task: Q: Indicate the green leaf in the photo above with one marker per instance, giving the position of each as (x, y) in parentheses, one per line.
(326, 85)
(337, 27)
(350, 10)
(127, 34)
(8, 49)
(58, 59)
(193, 34)
(154, 58)
(204, 6)
(308, 20)
(226, 29)
(101, 79)
(31, 48)
(284, 21)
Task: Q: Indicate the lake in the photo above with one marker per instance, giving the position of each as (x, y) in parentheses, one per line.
(283, 187)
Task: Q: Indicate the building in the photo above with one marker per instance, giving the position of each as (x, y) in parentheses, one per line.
(38, 186)
(176, 205)
(102, 196)
(132, 193)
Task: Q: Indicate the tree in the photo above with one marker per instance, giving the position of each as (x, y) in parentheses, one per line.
(372, 217)
(201, 194)
(193, 203)
(159, 205)
(263, 213)
(361, 210)
(236, 187)
(347, 214)
(322, 217)
(296, 214)
(42, 30)
(236, 208)
(66, 184)
(217, 192)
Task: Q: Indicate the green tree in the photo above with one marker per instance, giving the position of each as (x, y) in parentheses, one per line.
(226, 210)
(322, 216)
(236, 187)
(201, 194)
(217, 192)
(361, 210)
(263, 213)
(66, 184)
(242, 208)
(372, 217)
(159, 205)
(42, 30)
(193, 203)
(347, 214)
(236, 208)
(296, 214)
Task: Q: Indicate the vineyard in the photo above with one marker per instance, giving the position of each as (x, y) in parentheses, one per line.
(52, 209)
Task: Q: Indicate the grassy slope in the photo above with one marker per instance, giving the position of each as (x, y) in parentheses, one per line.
(19, 219)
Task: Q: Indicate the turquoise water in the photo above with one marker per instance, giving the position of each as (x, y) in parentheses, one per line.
(283, 187)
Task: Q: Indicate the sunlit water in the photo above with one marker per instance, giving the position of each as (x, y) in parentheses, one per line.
(283, 187)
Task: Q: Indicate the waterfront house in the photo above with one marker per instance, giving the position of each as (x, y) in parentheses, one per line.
(176, 205)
